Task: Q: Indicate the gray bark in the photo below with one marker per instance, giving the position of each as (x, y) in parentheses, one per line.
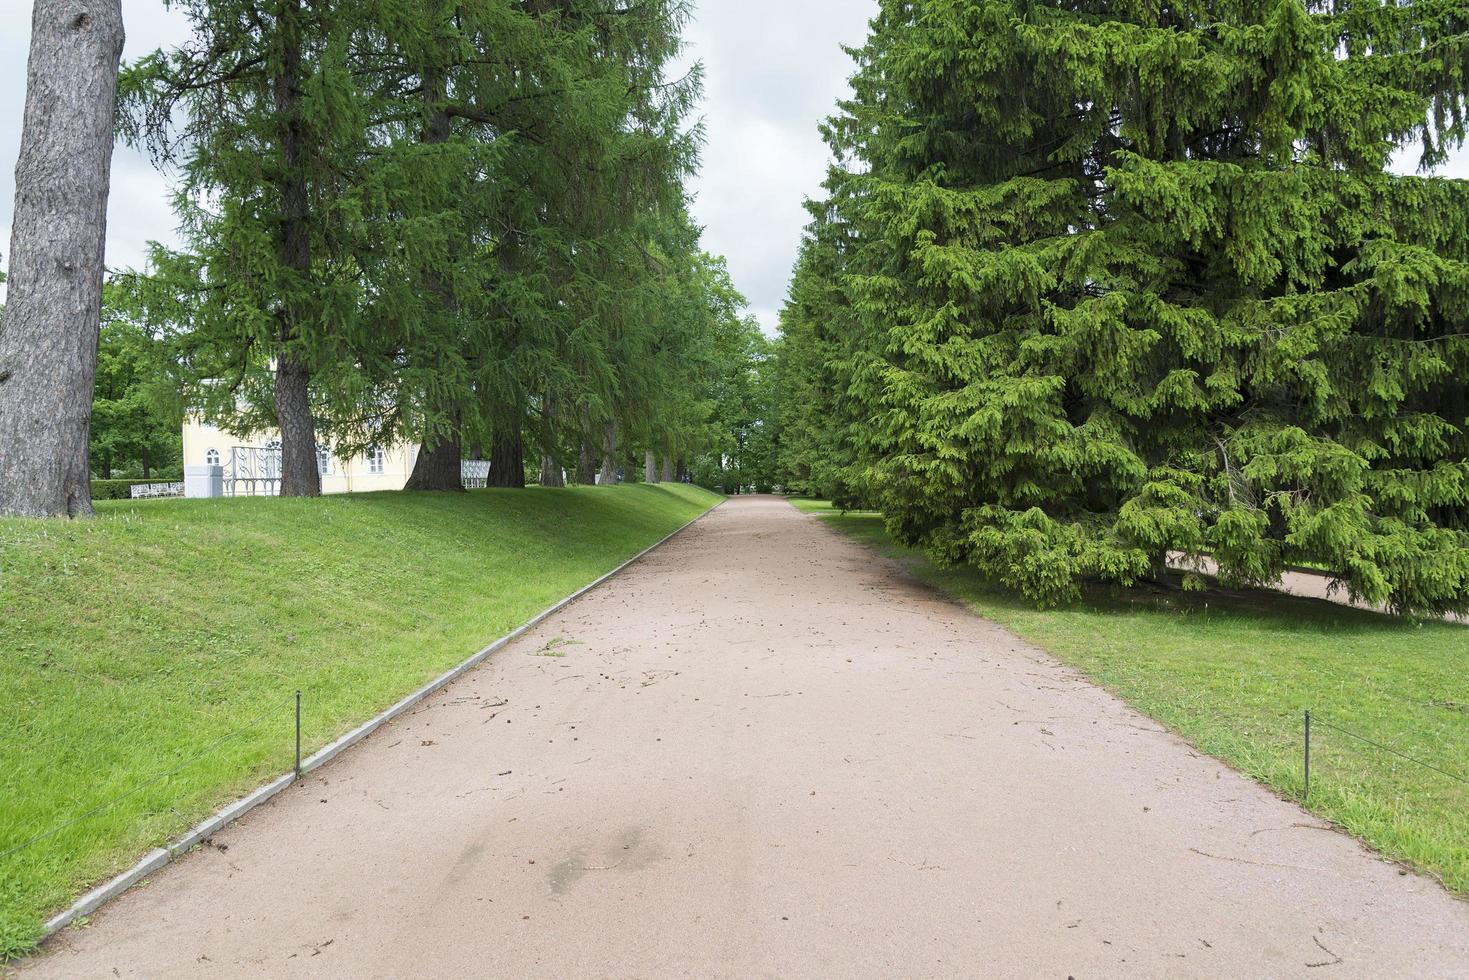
(609, 454)
(586, 464)
(552, 475)
(48, 340)
(650, 467)
(299, 475)
(507, 460)
(668, 474)
(438, 467)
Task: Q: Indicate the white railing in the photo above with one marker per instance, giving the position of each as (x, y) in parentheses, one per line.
(253, 472)
(148, 491)
(475, 473)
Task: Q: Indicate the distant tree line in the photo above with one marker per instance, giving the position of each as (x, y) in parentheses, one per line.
(1097, 284)
(457, 224)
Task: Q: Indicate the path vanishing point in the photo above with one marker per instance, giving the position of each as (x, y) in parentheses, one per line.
(762, 751)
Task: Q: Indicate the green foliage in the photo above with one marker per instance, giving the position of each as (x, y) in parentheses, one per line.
(1101, 283)
(136, 415)
(468, 251)
(739, 445)
(127, 646)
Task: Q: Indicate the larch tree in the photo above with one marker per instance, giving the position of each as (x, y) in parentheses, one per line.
(263, 118)
(48, 335)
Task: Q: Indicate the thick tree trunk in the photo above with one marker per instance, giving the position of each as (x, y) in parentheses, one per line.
(586, 464)
(438, 467)
(650, 467)
(299, 475)
(48, 341)
(668, 474)
(507, 460)
(552, 475)
(609, 454)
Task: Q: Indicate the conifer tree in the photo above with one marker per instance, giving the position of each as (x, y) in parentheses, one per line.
(262, 116)
(1134, 281)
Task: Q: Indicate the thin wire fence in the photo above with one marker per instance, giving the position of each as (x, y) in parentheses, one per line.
(1314, 719)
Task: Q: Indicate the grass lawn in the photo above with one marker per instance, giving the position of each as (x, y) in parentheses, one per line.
(131, 643)
(1234, 672)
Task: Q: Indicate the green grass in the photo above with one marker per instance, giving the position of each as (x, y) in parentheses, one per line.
(131, 642)
(1233, 672)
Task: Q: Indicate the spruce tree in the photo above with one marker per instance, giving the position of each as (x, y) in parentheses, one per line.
(1134, 281)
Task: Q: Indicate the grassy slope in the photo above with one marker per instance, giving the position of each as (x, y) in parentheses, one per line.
(131, 642)
(1233, 673)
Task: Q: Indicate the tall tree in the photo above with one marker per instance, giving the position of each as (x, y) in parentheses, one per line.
(48, 337)
(1132, 281)
(262, 113)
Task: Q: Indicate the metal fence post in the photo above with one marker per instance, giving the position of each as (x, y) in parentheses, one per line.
(298, 734)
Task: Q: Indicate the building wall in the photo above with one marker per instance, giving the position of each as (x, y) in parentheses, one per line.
(343, 476)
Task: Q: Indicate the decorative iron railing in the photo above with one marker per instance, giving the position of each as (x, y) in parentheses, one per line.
(253, 472)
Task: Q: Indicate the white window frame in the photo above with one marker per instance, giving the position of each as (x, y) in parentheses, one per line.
(377, 461)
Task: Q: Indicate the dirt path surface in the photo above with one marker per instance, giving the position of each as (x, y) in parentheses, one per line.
(764, 752)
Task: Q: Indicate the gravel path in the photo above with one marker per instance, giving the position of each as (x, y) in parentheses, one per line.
(763, 751)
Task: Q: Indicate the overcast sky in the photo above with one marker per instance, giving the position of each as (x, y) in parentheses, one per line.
(774, 70)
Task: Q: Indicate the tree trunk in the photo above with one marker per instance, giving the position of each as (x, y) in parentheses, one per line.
(609, 454)
(106, 465)
(668, 474)
(438, 468)
(507, 460)
(552, 475)
(147, 469)
(439, 465)
(586, 464)
(48, 341)
(650, 467)
(299, 475)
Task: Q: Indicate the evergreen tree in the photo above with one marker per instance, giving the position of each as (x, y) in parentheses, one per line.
(1133, 280)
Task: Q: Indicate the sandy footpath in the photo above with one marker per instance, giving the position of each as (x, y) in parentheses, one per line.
(763, 752)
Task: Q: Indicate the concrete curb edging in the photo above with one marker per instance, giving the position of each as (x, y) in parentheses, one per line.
(160, 856)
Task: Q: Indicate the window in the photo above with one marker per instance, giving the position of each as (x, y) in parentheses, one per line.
(323, 461)
(377, 460)
(211, 456)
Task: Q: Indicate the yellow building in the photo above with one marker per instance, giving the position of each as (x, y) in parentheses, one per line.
(218, 464)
